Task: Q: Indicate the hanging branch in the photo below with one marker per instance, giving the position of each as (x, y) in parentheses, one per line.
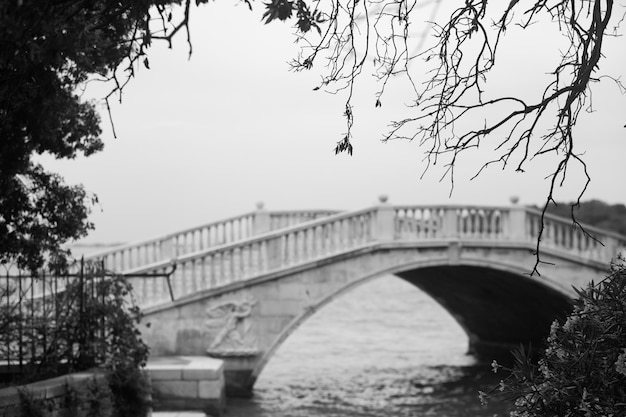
(455, 93)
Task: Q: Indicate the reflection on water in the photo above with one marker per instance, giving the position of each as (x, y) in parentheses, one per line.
(384, 349)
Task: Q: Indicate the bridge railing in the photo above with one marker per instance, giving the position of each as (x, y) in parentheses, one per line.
(429, 222)
(516, 223)
(273, 251)
(337, 234)
(288, 218)
(138, 254)
(560, 234)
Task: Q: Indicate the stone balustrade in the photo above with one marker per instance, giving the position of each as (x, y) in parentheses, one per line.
(275, 241)
(138, 254)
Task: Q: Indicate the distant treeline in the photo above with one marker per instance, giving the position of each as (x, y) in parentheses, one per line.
(595, 213)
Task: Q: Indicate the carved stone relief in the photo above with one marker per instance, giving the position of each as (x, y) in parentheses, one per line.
(229, 325)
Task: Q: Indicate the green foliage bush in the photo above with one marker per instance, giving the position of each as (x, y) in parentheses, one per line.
(583, 369)
(92, 323)
(30, 406)
(131, 392)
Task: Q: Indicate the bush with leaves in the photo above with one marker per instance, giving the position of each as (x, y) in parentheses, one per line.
(116, 345)
(583, 369)
(90, 322)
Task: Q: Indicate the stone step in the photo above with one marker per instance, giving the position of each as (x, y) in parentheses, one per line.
(181, 384)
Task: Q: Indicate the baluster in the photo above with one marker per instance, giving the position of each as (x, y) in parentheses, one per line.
(147, 291)
(306, 246)
(241, 262)
(349, 232)
(549, 233)
(417, 224)
(250, 260)
(398, 224)
(473, 215)
(253, 253)
(363, 222)
(212, 269)
(150, 252)
(569, 237)
(482, 223)
(477, 223)
(358, 230)
(339, 235)
(194, 284)
(461, 223)
(223, 269)
(576, 242)
(296, 247)
(229, 266)
(236, 265)
(219, 234)
(493, 229)
(231, 232)
(233, 265)
(293, 243)
(215, 235)
(182, 244)
(263, 264)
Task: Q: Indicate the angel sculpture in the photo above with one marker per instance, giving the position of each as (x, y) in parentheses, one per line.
(229, 319)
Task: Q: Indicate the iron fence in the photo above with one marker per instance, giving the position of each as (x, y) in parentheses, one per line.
(52, 324)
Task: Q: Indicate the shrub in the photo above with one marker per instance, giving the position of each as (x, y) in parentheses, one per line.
(583, 369)
(131, 392)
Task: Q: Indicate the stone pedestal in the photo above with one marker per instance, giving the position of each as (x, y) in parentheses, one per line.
(187, 383)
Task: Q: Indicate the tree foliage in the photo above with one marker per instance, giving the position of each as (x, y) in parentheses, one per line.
(48, 51)
(583, 369)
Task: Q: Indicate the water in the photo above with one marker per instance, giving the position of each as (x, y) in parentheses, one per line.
(384, 349)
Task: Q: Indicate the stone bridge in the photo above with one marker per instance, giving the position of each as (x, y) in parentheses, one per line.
(237, 289)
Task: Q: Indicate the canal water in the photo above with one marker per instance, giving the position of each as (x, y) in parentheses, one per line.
(383, 349)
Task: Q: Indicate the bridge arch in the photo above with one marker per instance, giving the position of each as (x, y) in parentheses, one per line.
(493, 329)
(487, 275)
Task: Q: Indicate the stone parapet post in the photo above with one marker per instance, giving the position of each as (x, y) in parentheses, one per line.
(385, 221)
(450, 227)
(516, 226)
(168, 248)
(262, 222)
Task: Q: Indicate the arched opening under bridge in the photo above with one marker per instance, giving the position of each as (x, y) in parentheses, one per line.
(498, 309)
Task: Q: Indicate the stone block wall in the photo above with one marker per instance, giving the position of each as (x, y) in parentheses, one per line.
(64, 396)
(188, 383)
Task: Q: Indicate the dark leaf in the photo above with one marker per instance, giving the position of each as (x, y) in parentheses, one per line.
(278, 9)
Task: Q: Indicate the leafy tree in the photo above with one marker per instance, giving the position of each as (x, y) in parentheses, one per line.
(583, 369)
(48, 51)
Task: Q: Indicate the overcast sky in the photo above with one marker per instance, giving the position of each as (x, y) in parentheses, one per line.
(207, 138)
